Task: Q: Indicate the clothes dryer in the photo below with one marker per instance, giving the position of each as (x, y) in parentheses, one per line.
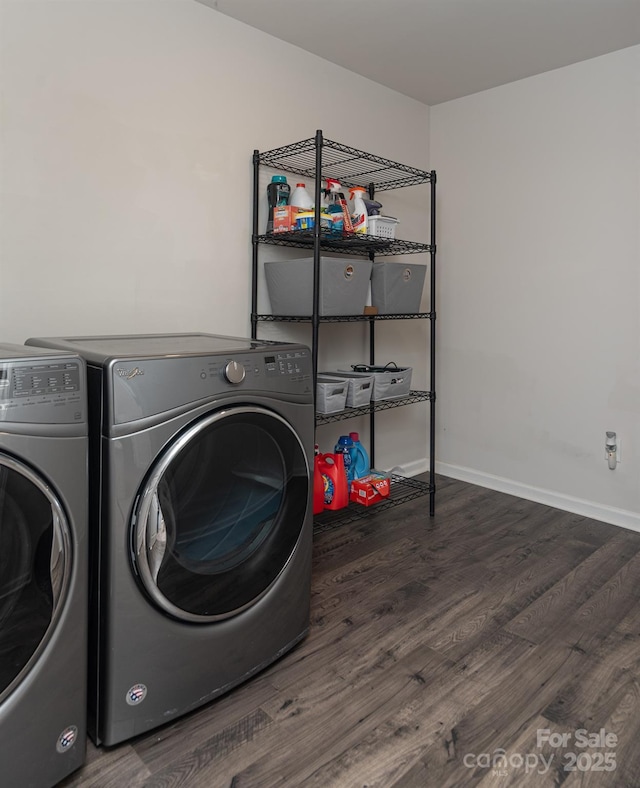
(43, 565)
(201, 449)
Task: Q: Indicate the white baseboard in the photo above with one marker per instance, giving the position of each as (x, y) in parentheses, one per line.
(411, 468)
(607, 514)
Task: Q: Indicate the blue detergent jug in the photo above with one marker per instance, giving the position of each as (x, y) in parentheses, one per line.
(359, 458)
(344, 446)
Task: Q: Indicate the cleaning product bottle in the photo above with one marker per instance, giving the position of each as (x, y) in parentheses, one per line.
(359, 457)
(318, 483)
(278, 192)
(344, 446)
(373, 207)
(334, 210)
(324, 199)
(301, 198)
(359, 213)
(336, 493)
(338, 204)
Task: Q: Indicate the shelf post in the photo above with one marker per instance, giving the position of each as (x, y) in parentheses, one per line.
(372, 415)
(371, 188)
(315, 319)
(254, 247)
(432, 353)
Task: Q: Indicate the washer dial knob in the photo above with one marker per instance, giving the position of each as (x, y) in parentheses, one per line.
(234, 372)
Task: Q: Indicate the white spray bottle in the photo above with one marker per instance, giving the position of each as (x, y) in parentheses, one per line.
(359, 216)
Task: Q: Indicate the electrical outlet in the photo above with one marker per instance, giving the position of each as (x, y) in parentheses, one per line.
(618, 453)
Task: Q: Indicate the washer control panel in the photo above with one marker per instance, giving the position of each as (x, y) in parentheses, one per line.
(42, 392)
(33, 380)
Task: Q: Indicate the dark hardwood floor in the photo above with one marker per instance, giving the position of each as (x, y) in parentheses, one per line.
(496, 644)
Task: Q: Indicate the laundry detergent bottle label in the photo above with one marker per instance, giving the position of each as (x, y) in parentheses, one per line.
(319, 493)
(334, 478)
(344, 446)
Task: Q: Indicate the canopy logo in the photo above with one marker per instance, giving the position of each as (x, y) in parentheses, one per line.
(595, 753)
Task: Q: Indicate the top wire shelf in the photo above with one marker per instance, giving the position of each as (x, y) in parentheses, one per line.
(350, 166)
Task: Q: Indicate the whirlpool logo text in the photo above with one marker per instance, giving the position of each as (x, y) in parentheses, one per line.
(129, 373)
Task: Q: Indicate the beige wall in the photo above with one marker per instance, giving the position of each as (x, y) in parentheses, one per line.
(127, 137)
(539, 303)
(127, 133)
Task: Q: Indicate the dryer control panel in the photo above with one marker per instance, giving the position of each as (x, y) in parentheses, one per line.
(144, 387)
(294, 364)
(42, 392)
(282, 371)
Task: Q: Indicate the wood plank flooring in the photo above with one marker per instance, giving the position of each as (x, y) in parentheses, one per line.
(458, 650)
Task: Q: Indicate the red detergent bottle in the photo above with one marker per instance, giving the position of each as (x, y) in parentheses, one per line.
(318, 484)
(336, 492)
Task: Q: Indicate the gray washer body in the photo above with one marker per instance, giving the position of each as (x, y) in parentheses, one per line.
(147, 394)
(43, 445)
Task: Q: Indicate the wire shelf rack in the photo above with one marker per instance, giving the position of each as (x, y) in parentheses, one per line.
(373, 407)
(345, 243)
(350, 166)
(402, 490)
(341, 318)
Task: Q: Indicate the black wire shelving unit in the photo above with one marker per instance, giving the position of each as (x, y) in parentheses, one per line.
(315, 159)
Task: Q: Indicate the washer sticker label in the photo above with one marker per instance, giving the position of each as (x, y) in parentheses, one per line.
(136, 694)
(67, 739)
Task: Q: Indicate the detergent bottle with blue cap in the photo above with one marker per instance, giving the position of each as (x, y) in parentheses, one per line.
(360, 462)
(278, 192)
(344, 446)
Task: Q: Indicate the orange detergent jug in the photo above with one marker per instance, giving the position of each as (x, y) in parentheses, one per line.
(334, 477)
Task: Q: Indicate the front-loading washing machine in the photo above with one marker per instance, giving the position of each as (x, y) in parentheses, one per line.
(200, 455)
(43, 565)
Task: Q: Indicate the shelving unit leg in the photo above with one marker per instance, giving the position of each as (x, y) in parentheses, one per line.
(432, 353)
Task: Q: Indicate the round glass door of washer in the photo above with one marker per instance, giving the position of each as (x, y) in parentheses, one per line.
(35, 568)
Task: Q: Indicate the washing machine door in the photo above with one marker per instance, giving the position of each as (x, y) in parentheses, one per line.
(220, 514)
(35, 567)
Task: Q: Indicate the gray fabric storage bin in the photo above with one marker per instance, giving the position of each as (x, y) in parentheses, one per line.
(344, 285)
(396, 288)
(359, 389)
(331, 394)
(387, 383)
